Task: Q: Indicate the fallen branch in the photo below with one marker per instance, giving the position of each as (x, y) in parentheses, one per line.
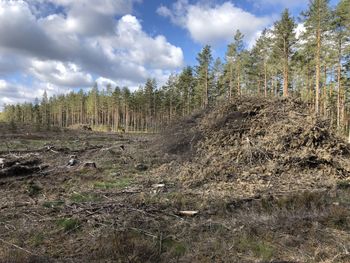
(18, 247)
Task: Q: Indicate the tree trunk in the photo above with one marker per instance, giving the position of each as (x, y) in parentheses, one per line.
(285, 71)
(230, 83)
(206, 89)
(318, 71)
(265, 75)
(238, 80)
(339, 86)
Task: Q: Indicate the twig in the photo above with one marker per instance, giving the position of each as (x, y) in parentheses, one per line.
(160, 243)
(18, 247)
(143, 232)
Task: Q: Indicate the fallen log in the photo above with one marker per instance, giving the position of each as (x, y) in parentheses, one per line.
(18, 170)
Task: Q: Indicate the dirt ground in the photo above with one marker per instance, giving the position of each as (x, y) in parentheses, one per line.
(252, 181)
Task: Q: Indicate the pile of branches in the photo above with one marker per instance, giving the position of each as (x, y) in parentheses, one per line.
(254, 145)
(13, 165)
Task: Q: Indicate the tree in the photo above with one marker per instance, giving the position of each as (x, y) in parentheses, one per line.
(341, 28)
(261, 53)
(204, 59)
(316, 22)
(284, 39)
(185, 85)
(239, 48)
(218, 80)
(45, 111)
(234, 63)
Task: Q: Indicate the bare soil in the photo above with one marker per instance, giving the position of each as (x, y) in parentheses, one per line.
(256, 180)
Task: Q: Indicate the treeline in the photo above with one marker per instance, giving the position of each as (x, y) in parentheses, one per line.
(310, 60)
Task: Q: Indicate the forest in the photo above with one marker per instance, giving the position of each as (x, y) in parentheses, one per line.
(306, 57)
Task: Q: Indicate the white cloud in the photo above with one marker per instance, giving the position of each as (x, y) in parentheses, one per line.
(60, 74)
(211, 24)
(83, 41)
(104, 82)
(12, 93)
(300, 29)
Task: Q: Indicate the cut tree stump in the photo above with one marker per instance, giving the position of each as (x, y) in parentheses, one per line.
(90, 165)
(141, 167)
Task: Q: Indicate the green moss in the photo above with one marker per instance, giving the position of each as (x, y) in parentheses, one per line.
(84, 197)
(259, 249)
(68, 224)
(33, 189)
(53, 204)
(343, 184)
(118, 184)
(176, 248)
(37, 239)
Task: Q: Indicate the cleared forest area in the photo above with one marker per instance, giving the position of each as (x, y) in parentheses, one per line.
(240, 158)
(255, 180)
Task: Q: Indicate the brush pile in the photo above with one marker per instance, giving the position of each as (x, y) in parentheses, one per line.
(256, 146)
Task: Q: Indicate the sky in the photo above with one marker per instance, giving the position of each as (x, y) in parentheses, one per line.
(59, 46)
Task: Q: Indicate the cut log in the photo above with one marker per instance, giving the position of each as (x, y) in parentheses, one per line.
(188, 213)
(158, 185)
(72, 162)
(18, 170)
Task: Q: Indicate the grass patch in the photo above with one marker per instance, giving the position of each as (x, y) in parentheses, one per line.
(116, 184)
(68, 224)
(260, 249)
(84, 197)
(53, 204)
(24, 144)
(125, 246)
(343, 184)
(176, 249)
(33, 189)
(37, 239)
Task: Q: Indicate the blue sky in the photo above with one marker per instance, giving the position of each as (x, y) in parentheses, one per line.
(64, 45)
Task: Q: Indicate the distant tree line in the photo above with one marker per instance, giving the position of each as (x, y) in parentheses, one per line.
(313, 64)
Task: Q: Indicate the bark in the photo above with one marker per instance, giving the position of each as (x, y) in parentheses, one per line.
(339, 87)
(285, 71)
(265, 77)
(318, 70)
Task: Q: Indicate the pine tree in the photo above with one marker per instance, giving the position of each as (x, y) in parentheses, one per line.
(185, 84)
(261, 54)
(218, 81)
(284, 39)
(341, 28)
(317, 19)
(233, 68)
(204, 59)
(45, 111)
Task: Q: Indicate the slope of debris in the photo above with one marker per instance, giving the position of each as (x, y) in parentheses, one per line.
(256, 146)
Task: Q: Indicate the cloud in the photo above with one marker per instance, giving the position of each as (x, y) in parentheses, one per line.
(299, 30)
(62, 44)
(224, 19)
(104, 82)
(60, 74)
(13, 93)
